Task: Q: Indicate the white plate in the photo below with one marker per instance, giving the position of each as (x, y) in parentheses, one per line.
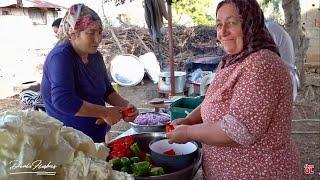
(126, 70)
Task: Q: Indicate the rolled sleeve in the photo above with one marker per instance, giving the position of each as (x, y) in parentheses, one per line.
(236, 130)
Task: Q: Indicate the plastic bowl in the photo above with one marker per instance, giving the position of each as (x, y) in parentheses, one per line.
(185, 154)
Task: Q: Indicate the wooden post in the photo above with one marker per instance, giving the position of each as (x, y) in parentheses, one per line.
(171, 60)
(19, 4)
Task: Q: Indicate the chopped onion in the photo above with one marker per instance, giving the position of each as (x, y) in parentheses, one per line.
(152, 119)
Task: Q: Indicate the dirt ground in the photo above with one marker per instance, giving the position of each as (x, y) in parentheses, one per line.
(305, 125)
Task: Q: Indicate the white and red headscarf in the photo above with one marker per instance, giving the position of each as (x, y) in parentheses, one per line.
(78, 18)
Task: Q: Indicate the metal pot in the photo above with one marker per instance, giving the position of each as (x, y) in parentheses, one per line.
(164, 84)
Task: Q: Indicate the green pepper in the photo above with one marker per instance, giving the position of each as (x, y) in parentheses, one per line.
(125, 161)
(156, 171)
(140, 168)
(148, 158)
(135, 149)
(116, 163)
(135, 159)
(125, 169)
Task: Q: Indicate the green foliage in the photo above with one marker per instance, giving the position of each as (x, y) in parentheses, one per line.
(276, 4)
(271, 9)
(265, 3)
(197, 10)
(117, 2)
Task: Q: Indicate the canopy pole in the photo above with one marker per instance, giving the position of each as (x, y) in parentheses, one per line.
(171, 60)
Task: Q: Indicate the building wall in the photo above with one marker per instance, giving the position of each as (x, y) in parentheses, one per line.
(38, 16)
(25, 30)
(14, 11)
(310, 19)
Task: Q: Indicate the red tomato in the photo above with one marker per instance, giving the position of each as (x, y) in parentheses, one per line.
(169, 127)
(121, 147)
(129, 140)
(170, 152)
(122, 143)
(116, 154)
(118, 141)
(127, 111)
(118, 146)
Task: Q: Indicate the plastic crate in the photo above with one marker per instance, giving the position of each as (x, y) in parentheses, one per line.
(183, 106)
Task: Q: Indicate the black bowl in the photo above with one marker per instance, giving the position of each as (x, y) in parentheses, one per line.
(185, 154)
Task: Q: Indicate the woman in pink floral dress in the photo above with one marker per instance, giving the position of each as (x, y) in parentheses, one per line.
(244, 122)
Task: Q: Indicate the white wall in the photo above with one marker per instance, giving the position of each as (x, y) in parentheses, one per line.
(19, 40)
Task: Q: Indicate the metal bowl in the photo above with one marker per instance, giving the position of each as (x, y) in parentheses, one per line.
(187, 173)
(149, 128)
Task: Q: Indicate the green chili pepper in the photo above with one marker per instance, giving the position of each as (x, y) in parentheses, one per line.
(156, 171)
(135, 149)
(135, 159)
(116, 163)
(148, 158)
(125, 161)
(140, 168)
(125, 169)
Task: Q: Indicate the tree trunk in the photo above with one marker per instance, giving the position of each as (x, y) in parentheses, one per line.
(292, 13)
(19, 3)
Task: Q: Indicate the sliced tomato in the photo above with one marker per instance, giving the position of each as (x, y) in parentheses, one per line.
(117, 146)
(170, 152)
(122, 143)
(116, 154)
(121, 147)
(129, 140)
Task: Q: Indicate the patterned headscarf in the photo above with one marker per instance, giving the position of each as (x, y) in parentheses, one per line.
(78, 17)
(255, 33)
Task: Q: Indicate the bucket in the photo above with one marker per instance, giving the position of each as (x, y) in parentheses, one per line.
(164, 84)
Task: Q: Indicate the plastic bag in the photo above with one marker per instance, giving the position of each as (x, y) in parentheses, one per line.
(151, 66)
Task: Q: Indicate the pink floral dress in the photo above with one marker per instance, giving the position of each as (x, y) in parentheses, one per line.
(253, 99)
